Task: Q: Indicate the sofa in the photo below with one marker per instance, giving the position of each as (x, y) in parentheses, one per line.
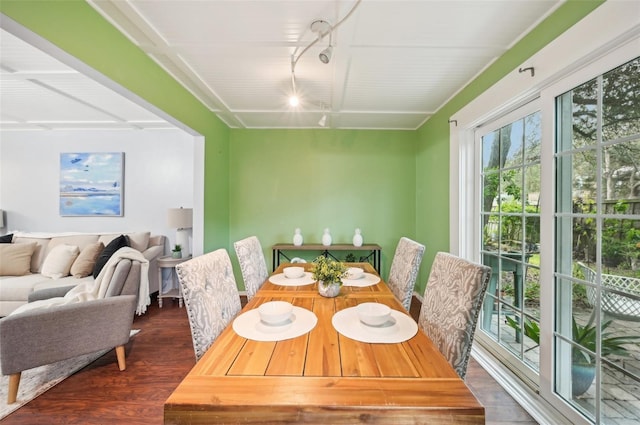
(41, 336)
(40, 263)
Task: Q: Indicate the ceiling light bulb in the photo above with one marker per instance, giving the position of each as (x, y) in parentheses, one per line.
(325, 55)
(293, 101)
(323, 120)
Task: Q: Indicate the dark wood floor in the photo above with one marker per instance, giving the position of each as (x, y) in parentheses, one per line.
(158, 358)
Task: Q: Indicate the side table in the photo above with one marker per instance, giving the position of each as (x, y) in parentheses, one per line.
(168, 262)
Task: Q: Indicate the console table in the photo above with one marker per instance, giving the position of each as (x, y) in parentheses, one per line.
(372, 252)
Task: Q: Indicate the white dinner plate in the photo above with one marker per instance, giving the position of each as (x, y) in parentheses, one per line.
(400, 328)
(282, 280)
(248, 325)
(367, 280)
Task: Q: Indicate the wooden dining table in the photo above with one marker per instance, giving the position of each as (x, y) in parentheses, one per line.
(322, 377)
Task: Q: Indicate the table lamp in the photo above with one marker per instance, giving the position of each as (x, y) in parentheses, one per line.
(181, 219)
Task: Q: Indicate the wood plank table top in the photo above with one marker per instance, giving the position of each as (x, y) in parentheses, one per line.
(322, 376)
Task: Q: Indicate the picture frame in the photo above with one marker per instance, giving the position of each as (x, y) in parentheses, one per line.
(92, 184)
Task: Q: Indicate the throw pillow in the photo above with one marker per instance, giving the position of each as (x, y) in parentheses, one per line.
(6, 238)
(59, 261)
(86, 261)
(15, 258)
(107, 252)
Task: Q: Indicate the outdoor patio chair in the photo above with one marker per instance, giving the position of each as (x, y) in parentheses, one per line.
(210, 296)
(451, 306)
(620, 297)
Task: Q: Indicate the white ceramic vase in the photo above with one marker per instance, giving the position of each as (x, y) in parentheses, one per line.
(297, 237)
(357, 238)
(329, 290)
(326, 238)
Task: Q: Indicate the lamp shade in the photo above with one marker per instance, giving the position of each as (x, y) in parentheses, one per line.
(1, 218)
(180, 218)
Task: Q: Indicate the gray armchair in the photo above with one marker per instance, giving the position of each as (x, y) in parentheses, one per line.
(42, 336)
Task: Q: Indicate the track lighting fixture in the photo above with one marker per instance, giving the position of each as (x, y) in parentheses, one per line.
(325, 55)
(322, 28)
(323, 119)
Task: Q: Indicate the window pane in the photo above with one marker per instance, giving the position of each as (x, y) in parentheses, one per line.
(621, 171)
(621, 109)
(490, 186)
(619, 397)
(511, 140)
(585, 114)
(532, 137)
(532, 188)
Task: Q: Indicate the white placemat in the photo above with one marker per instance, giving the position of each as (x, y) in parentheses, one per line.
(367, 280)
(400, 328)
(282, 280)
(248, 325)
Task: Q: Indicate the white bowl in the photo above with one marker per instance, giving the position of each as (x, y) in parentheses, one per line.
(275, 312)
(355, 273)
(293, 272)
(373, 314)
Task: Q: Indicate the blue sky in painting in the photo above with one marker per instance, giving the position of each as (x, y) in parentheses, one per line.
(101, 171)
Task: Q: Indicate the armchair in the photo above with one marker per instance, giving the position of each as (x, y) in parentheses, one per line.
(46, 335)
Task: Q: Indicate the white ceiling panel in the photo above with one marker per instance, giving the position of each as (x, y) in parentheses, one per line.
(394, 62)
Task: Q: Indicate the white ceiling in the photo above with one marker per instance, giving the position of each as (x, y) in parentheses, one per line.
(394, 63)
(38, 92)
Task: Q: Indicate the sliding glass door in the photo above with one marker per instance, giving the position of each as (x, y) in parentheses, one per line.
(577, 149)
(510, 223)
(597, 252)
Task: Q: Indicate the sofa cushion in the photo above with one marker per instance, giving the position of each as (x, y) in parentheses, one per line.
(137, 240)
(108, 251)
(15, 258)
(38, 253)
(6, 238)
(18, 288)
(81, 241)
(59, 261)
(86, 261)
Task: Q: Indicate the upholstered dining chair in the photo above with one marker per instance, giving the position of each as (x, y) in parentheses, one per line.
(252, 264)
(404, 270)
(210, 296)
(451, 305)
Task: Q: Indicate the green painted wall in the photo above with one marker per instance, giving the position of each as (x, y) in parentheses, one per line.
(432, 194)
(312, 179)
(78, 29)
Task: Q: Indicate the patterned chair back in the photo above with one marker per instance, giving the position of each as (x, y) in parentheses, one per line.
(252, 264)
(451, 306)
(404, 270)
(210, 296)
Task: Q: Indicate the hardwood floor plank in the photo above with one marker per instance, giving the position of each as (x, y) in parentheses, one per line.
(158, 358)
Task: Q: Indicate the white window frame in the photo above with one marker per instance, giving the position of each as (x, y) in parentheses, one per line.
(627, 51)
(567, 56)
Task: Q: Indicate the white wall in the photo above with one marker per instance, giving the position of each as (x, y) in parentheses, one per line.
(158, 175)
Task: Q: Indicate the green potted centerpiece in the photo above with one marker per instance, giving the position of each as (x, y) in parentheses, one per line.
(329, 274)
(583, 367)
(176, 252)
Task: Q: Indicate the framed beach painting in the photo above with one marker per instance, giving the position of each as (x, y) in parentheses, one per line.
(91, 184)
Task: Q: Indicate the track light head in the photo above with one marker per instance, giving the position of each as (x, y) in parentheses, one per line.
(325, 55)
(323, 120)
(294, 101)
